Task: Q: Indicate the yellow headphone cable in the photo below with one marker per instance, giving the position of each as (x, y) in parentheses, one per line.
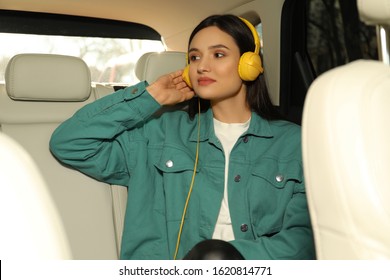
(191, 187)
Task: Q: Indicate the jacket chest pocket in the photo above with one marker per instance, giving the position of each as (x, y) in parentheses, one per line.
(176, 168)
(273, 183)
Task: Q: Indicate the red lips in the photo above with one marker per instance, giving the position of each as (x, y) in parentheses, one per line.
(205, 81)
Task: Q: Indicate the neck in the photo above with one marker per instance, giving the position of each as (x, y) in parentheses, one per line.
(232, 110)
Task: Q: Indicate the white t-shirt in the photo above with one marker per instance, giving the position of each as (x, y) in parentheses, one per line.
(227, 133)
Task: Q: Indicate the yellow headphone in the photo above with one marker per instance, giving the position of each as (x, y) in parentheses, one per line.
(249, 66)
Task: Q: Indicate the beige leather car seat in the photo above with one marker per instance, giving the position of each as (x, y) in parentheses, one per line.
(41, 92)
(31, 227)
(152, 65)
(346, 154)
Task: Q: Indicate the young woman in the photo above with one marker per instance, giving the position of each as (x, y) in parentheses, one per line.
(228, 178)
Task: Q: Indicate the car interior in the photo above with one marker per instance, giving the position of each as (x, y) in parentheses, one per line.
(336, 95)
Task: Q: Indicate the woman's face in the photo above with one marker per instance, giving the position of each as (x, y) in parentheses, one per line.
(214, 57)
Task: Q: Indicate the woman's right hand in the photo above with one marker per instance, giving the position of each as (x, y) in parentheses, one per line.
(170, 89)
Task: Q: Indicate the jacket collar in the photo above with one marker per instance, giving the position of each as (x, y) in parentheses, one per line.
(258, 127)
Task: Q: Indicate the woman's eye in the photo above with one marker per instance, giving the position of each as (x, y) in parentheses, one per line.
(219, 55)
(194, 57)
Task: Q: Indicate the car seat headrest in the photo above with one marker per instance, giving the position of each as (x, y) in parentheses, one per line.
(47, 77)
(152, 65)
(374, 12)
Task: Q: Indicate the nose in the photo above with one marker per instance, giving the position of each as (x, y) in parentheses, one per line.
(203, 65)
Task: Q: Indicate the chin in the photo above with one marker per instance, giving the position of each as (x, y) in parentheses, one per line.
(205, 92)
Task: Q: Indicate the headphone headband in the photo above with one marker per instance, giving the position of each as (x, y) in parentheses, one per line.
(254, 34)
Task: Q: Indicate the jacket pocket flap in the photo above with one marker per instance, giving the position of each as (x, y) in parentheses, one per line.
(278, 173)
(175, 160)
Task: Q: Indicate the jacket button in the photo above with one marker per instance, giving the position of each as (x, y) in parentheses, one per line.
(244, 227)
(246, 139)
(279, 178)
(237, 178)
(169, 163)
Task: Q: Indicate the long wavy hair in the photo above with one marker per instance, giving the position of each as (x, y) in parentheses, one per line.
(257, 93)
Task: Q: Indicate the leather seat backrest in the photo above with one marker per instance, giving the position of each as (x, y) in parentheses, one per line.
(346, 156)
(31, 227)
(41, 92)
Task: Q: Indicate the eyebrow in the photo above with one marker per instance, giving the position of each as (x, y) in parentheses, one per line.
(211, 47)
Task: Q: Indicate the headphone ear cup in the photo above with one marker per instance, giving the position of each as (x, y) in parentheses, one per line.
(186, 76)
(249, 66)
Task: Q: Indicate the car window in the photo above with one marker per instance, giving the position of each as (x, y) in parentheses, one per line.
(336, 36)
(110, 60)
(316, 36)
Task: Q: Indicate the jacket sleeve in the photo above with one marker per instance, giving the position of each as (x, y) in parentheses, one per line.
(294, 240)
(90, 141)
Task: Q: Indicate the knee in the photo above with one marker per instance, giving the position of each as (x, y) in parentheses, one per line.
(213, 250)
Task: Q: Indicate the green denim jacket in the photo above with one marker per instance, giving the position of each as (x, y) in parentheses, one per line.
(116, 140)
